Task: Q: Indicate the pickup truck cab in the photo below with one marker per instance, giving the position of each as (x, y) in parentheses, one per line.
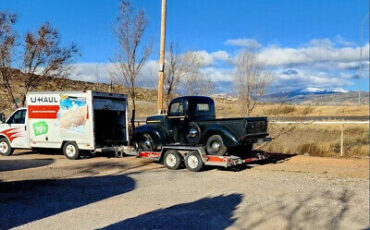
(191, 120)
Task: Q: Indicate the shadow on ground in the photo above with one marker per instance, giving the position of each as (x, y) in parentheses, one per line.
(10, 165)
(272, 158)
(319, 210)
(30, 200)
(275, 158)
(207, 213)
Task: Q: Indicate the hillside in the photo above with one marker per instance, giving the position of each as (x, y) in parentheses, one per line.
(226, 106)
(60, 84)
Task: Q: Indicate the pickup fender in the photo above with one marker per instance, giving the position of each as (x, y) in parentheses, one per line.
(228, 137)
(158, 133)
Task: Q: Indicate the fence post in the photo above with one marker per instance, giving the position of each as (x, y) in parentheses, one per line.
(342, 142)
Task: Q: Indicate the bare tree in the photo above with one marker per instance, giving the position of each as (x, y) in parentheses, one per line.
(250, 80)
(172, 72)
(193, 77)
(7, 43)
(128, 62)
(44, 58)
(207, 86)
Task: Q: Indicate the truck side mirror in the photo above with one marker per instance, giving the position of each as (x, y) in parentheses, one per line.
(2, 118)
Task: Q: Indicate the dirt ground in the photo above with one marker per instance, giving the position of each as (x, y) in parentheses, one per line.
(47, 191)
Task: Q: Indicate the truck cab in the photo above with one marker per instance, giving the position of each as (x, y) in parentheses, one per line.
(191, 120)
(13, 132)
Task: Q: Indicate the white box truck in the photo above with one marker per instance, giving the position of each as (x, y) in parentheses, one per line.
(71, 121)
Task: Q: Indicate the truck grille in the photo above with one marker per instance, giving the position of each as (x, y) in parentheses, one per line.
(256, 127)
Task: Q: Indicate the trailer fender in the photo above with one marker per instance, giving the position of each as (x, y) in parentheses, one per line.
(157, 133)
(228, 137)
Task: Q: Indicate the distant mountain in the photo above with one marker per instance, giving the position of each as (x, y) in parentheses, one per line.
(317, 96)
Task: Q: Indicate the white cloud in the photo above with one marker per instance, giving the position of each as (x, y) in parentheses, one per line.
(244, 42)
(101, 72)
(317, 52)
(341, 41)
(208, 59)
(317, 64)
(218, 74)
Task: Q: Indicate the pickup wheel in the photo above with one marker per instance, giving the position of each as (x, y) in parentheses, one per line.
(5, 148)
(145, 143)
(193, 162)
(215, 146)
(172, 159)
(71, 150)
(193, 133)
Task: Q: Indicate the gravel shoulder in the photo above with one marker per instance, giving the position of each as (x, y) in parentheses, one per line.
(299, 192)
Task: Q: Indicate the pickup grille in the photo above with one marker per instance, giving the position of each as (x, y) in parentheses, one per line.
(256, 127)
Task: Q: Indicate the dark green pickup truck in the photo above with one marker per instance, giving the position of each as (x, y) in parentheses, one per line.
(191, 120)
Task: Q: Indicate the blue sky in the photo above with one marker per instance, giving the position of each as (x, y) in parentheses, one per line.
(315, 43)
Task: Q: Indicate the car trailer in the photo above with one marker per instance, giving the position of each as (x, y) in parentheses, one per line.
(195, 158)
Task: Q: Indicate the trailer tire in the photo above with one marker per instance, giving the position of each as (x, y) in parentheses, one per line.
(71, 150)
(193, 161)
(215, 146)
(172, 159)
(5, 148)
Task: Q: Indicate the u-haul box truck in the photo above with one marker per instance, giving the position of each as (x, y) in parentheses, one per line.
(71, 121)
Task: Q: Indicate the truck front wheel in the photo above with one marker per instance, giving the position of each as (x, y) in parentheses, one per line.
(71, 150)
(5, 148)
(215, 146)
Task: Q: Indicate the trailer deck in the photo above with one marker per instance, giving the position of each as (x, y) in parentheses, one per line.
(195, 157)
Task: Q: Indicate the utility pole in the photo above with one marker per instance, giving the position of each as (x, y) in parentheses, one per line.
(161, 58)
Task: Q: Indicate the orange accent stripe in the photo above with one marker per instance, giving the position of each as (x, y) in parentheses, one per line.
(215, 159)
(251, 159)
(11, 134)
(149, 154)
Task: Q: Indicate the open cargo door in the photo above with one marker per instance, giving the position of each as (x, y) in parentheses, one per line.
(110, 119)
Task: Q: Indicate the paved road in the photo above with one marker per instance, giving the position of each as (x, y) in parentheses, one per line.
(293, 192)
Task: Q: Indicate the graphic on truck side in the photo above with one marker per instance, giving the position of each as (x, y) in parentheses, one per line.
(40, 128)
(72, 116)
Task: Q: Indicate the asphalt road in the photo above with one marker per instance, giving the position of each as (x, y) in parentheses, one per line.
(287, 192)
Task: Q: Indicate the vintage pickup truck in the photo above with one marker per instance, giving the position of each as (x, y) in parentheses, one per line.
(191, 120)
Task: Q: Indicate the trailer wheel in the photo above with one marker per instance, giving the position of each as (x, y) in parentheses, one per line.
(193, 162)
(172, 159)
(71, 150)
(5, 148)
(215, 146)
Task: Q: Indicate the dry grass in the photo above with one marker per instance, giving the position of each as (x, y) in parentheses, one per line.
(226, 108)
(320, 140)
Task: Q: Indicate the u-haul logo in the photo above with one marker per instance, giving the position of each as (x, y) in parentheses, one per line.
(44, 99)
